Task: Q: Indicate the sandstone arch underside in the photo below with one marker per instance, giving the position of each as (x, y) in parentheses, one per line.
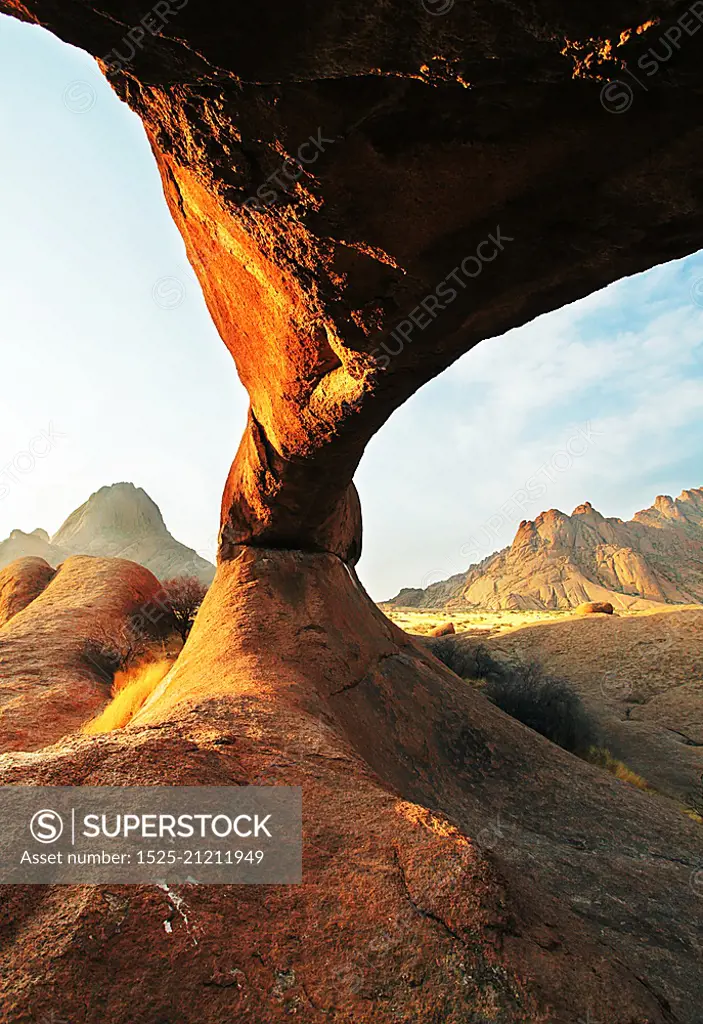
(366, 192)
(347, 178)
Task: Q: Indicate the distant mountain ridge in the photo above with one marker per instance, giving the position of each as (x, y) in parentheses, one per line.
(119, 521)
(561, 561)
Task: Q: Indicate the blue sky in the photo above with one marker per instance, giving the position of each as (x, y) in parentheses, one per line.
(106, 342)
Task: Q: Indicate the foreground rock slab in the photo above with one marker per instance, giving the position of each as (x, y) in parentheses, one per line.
(457, 866)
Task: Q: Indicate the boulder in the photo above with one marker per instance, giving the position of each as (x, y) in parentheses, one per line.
(595, 608)
(445, 629)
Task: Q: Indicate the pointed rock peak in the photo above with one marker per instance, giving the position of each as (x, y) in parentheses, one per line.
(122, 492)
(586, 509)
(526, 528)
(552, 515)
(120, 509)
(667, 508)
(21, 535)
(533, 532)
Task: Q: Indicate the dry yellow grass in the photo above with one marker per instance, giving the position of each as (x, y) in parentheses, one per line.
(130, 691)
(604, 759)
(495, 623)
(424, 620)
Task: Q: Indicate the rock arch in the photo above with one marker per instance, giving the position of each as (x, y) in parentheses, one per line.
(337, 171)
(331, 172)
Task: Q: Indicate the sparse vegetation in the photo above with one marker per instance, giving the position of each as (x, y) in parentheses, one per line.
(549, 706)
(111, 651)
(468, 660)
(183, 595)
(133, 657)
(130, 691)
(604, 759)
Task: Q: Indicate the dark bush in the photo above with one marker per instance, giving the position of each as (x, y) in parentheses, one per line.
(109, 651)
(183, 596)
(468, 660)
(547, 705)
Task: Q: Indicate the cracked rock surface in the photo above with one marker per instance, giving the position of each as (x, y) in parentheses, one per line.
(457, 867)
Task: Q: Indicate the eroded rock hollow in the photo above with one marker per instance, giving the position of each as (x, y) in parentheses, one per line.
(365, 193)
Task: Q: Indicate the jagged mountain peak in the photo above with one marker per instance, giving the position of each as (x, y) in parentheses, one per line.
(561, 561)
(586, 509)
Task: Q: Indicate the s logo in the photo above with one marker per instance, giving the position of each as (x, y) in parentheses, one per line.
(46, 826)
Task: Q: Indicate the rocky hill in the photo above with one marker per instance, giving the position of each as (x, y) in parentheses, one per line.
(560, 561)
(120, 521)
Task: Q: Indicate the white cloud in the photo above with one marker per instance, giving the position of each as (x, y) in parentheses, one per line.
(627, 359)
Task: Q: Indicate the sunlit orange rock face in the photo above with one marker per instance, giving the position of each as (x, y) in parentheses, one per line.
(366, 192)
(433, 215)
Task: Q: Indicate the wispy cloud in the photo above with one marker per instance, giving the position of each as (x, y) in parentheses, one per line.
(628, 360)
